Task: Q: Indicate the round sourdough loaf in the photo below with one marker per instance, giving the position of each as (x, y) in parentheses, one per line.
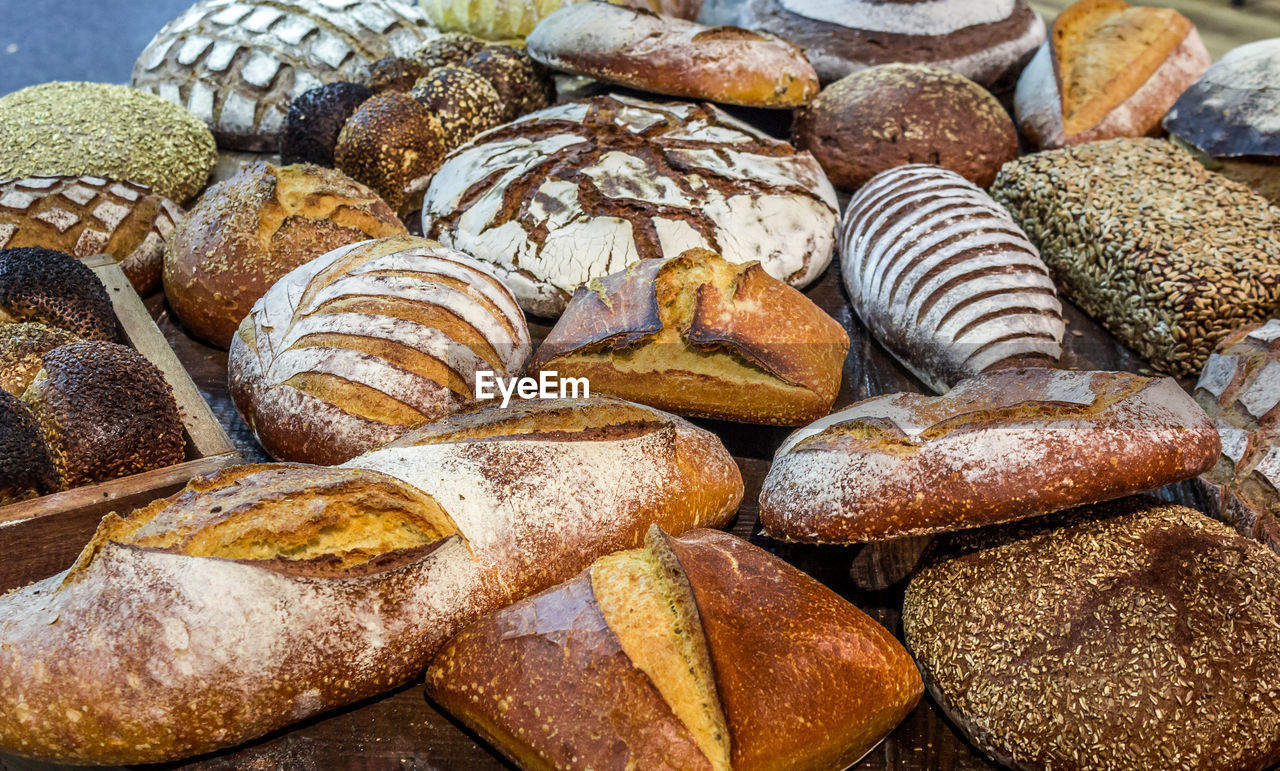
(512, 19)
(247, 232)
(236, 64)
(584, 189)
(352, 349)
(985, 40)
(90, 215)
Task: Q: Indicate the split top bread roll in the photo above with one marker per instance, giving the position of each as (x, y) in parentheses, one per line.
(265, 594)
(697, 652)
(998, 447)
(1107, 70)
(355, 347)
(699, 335)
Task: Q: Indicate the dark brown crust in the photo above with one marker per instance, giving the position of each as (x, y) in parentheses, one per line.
(22, 346)
(54, 288)
(26, 470)
(392, 144)
(314, 120)
(463, 100)
(523, 84)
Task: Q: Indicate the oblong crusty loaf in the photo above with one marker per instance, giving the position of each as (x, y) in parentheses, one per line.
(266, 594)
(699, 335)
(700, 651)
(945, 279)
(999, 447)
(355, 347)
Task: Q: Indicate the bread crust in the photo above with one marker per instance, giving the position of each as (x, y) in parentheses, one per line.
(999, 447)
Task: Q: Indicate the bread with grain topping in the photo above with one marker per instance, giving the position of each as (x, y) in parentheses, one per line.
(49, 287)
(699, 335)
(699, 652)
(1002, 446)
(265, 594)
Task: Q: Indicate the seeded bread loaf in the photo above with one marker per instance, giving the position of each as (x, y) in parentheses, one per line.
(687, 653)
(237, 64)
(83, 216)
(1130, 635)
(246, 233)
(1107, 70)
(266, 594)
(22, 346)
(53, 288)
(315, 119)
(699, 335)
(513, 19)
(26, 470)
(584, 189)
(393, 144)
(945, 279)
(1168, 256)
(998, 447)
(665, 55)
(356, 347)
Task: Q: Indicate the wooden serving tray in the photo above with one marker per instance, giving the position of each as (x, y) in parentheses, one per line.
(42, 536)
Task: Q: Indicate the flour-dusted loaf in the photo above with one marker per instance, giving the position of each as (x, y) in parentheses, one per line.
(357, 346)
(1107, 70)
(998, 447)
(984, 40)
(945, 279)
(1132, 635)
(584, 189)
(695, 652)
(664, 55)
(236, 64)
(266, 594)
(84, 215)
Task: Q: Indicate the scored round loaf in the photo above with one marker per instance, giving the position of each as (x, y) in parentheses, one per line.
(22, 348)
(104, 130)
(316, 118)
(1131, 635)
(449, 49)
(664, 55)
(897, 114)
(246, 233)
(237, 64)
(586, 188)
(513, 19)
(393, 144)
(26, 470)
(106, 412)
(352, 349)
(985, 40)
(85, 215)
(54, 288)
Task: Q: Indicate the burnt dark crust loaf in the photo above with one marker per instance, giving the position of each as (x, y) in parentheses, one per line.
(316, 118)
(26, 470)
(54, 288)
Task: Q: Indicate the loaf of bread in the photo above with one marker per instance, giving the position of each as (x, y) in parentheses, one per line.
(945, 279)
(236, 64)
(23, 345)
(462, 99)
(393, 144)
(265, 594)
(584, 189)
(697, 652)
(246, 233)
(55, 289)
(357, 346)
(665, 55)
(1227, 117)
(26, 470)
(83, 216)
(1107, 70)
(315, 119)
(523, 84)
(513, 19)
(699, 335)
(1131, 635)
(998, 447)
(1168, 256)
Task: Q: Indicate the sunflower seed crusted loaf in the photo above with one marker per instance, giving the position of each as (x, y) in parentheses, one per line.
(584, 189)
(237, 64)
(1169, 256)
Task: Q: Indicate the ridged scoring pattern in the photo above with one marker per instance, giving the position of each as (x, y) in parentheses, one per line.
(943, 276)
(237, 64)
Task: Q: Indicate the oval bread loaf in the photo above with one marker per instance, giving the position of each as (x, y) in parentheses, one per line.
(357, 346)
(944, 278)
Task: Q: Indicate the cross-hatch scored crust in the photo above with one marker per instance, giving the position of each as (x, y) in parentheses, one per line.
(650, 609)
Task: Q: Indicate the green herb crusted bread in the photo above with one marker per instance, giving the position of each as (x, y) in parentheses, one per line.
(1169, 256)
(104, 130)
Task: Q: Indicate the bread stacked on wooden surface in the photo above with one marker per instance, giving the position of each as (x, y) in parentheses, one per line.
(679, 655)
(355, 347)
(268, 593)
(699, 335)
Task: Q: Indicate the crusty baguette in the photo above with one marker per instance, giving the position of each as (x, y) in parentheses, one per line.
(1002, 446)
(268, 593)
(598, 672)
(699, 335)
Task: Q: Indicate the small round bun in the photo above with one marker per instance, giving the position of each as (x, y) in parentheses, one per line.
(392, 144)
(22, 346)
(26, 470)
(464, 101)
(451, 48)
(394, 73)
(54, 288)
(899, 114)
(106, 412)
(315, 119)
(523, 84)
